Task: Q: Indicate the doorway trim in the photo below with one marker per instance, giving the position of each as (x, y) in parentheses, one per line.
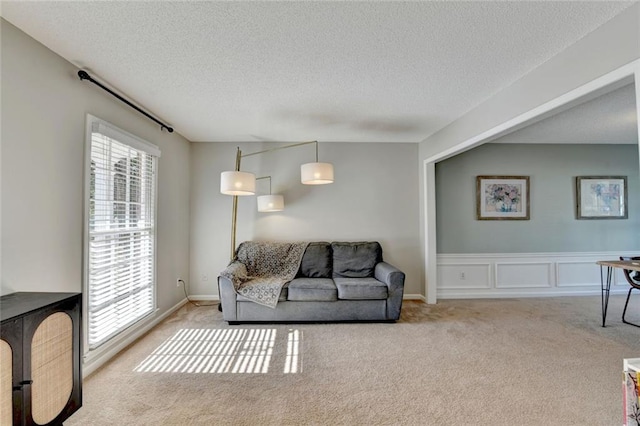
(617, 78)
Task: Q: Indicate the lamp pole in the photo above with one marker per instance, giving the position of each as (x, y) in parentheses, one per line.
(234, 212)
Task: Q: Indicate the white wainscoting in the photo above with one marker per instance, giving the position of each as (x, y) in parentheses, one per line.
(524, 274)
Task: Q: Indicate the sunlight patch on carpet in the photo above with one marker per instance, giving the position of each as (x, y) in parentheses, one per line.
(236, 350)
(293, 360)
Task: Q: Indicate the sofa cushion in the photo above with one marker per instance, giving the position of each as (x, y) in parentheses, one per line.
(361, 288)
(312, 290)
(316, 261)
(355, 260)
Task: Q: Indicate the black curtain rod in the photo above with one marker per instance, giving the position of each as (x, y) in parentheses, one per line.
(85, 76)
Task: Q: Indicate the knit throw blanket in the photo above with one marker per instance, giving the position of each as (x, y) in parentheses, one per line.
(259, 270)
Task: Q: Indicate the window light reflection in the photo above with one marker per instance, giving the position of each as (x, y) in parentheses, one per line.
(293, 359)
(234, 350)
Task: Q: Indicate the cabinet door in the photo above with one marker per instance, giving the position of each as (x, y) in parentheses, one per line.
(11, 373)
(6, 383)
(51, 367)
(51, 358)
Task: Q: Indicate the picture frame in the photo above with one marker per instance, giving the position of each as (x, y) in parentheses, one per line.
(502, 197)
(602, 197)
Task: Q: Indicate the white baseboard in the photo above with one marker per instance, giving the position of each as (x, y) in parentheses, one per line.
(94, 361)
(512, 295)
(414, 297)
(203, 297)
(499, 275)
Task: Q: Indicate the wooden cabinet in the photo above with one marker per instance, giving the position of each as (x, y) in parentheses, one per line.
(40, 365)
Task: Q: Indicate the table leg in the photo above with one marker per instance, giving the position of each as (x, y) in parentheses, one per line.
(604, 289)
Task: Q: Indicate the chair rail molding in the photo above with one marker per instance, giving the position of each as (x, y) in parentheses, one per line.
(487, 275)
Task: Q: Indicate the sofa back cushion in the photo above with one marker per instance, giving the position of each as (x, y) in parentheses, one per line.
(355, 260)
(316, 261)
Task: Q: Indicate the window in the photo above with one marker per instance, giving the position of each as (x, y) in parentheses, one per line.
(120, 243)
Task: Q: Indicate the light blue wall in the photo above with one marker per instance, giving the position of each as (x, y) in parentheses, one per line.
(553, 226)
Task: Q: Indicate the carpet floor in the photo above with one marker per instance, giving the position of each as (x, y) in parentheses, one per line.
(529, 361)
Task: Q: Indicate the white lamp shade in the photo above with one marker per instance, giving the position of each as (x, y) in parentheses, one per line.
(270, 203)
(316, 173)
(237, 183)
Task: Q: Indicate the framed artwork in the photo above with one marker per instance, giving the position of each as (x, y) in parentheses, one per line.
(602, 197)
(502, 197)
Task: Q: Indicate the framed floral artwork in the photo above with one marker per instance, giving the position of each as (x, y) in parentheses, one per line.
(502, 197)
(602, 197)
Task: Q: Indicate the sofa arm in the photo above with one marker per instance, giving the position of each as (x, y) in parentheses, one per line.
(394, 279)
(227, 299)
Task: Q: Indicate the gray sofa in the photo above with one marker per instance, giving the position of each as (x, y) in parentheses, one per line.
(336, 281)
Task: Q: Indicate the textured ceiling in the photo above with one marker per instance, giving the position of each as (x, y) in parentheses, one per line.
(293, 71)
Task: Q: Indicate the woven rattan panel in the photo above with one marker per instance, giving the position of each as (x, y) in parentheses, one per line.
(6, 392)
(51, 367)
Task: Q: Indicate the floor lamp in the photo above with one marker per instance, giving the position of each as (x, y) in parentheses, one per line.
(238, 183)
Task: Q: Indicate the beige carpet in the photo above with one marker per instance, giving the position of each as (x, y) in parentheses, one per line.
(460, 362)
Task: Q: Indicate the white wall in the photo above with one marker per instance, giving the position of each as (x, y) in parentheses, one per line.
(374, 198)
(493, 275)
(613, 45)
(44, 106)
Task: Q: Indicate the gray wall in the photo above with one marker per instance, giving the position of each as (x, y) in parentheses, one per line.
(553, 226)
(374, 197)
(44, 106)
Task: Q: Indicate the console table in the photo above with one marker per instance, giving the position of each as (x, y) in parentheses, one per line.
(605, 283)
(40, 350)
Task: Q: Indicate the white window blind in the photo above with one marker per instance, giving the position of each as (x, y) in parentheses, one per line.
(121, 232)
